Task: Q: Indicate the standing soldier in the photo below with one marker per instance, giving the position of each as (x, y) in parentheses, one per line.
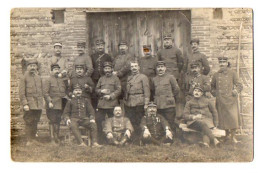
(31, 97)
(54, 93)
(165, 89)
(84, 59)
(225, 86)
(98, 60)
(172, 56)
(108, 90)
(81, 78)
(155, 128)
(122, 64)
(195, 78)
(197, 56)
(79, 112)
(137, 96)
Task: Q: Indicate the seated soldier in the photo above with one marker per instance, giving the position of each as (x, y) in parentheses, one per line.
(201, 115)
(79, 112)
(118, 128)
(155, 128)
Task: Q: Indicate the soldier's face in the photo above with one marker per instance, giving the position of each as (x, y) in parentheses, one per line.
(79, 70)
(57, 49)
(151, 110)
(167, 42)
(194, 46)
(100, 47)
(197, 93)
(32, 68)
(160, 69)
(107, 70)
(223, 64)
(134, 67)
(118, 111)
(195, 70)
(147, 51)
(56, 71)
(123, 49)
(81, 49)
(77, 92)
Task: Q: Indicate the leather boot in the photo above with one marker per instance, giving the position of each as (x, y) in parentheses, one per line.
(56, 133)
(51, 130)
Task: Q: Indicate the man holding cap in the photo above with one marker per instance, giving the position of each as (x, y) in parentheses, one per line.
(84, 59)
(165, 89)
(108, 90)
(171, 55)
(54, 94)
(155, 128)
(122, 64)
(226, 86)
(31, 97)
(201, 115)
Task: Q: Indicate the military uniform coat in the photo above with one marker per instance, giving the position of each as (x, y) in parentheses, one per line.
(202, 106)
(31, 91)
(155, 124)
(138, 90)
(117, 125)
(222, 84)
(54, 90)
(112, 83)
(98, 60)
(148, 66)
(173, 59)
(165, 88)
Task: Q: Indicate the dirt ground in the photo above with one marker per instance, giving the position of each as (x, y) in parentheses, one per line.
(179, 152)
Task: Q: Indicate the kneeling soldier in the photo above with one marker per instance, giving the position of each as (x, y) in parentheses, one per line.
(201, 115)
(118, 129)
(79, 112)
(155, 128)
(54, 94)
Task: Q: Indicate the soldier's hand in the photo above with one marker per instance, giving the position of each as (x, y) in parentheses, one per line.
(208, 94)
(114, 73)
(60, 75)
(26, 108)
(109, 136)
(146, 133)
(234, 92)
(92, 121)
(128, 133)
(105, 91)
(86, 86)
(145, 107)
(168, 134)
(50, 105)
(68, 122)
(107, 97)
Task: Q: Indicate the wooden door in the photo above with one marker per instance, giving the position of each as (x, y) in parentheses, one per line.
(139, 28)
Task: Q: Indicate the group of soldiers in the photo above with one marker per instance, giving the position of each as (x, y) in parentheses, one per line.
(127, 99)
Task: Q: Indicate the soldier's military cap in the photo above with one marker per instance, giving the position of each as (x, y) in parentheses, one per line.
(81, 44)
(147, 47)
(167, 35)
(107, 64)
(160, 63)
(77, 86)
(54, 66)
(195, 40)
(122, 42)
(151, 104)
(199, 87)
(58, 44)
(222, 58)
(31, 61)
(79, 65)
(194, 63)
(100, 41)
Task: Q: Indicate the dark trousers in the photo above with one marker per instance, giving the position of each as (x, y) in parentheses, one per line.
(117, 137)
(169, 115)
(75, 123)
(54, 115)
(156, 141)
(135, 115)
(31, 118)
(203, 128)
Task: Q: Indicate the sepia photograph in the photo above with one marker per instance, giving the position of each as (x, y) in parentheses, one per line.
(131, 84)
